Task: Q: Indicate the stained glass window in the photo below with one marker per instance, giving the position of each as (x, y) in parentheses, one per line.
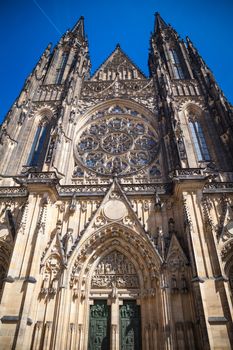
(117, 144)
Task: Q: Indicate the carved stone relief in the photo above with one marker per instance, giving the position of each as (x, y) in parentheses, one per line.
(115, 269)
(51, 275)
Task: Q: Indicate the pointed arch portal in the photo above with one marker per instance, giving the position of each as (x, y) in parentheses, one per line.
(114, 272)
(120, 286)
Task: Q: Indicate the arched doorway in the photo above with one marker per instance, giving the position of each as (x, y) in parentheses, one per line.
(114, 288)
(119, 302)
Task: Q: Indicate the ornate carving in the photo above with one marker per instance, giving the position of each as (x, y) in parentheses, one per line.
(115, 269)
(52, 271)
(42, 177)
(117, 145)
(175, 262)
(128, 221)
(13, 192)
(187, 173)
(140, 91)
(51, 92)
(100, 221)
(218, 187)
(68, 240)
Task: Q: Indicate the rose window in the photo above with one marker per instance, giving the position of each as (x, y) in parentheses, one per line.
(117, 142)
(117, 146)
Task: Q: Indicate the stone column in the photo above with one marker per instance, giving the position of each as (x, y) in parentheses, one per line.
(113, 336)
(180, 336)
(167, 334)
(215, 318)
(155, 336)
(22, 268)
(47, 335)
(37, 338)
(115, 303)
(80, 333)
(147, 329)
(71, 335)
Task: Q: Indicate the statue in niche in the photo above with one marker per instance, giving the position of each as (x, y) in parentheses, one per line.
(184, 286)
(67, 240)
(174, 287)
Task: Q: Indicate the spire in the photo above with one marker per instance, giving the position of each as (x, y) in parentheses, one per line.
(190, 44)
(78, 28)
(160, 24)
(194, 53)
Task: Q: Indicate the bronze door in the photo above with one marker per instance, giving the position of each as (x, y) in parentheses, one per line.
(130, 326)
(99, 326)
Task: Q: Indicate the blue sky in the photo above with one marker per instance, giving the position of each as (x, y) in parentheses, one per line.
(27, 26)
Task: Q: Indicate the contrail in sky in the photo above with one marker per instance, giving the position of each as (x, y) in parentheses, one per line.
(48, 18)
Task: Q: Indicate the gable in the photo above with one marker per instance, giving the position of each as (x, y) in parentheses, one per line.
(118, 65)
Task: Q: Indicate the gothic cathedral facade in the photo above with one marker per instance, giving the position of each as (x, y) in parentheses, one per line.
(116, 203)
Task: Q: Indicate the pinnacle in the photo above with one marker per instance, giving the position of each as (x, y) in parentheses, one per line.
(79, 27)
(159, 22)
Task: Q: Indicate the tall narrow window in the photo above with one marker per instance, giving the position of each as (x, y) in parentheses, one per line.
(61, 69)
(39, 146)
(176, 65)
(199, 140)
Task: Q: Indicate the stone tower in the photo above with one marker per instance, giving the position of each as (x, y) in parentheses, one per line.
(116, 196)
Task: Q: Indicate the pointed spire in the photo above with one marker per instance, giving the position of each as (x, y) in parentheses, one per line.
(78, 28)
(190, 43)
(160, 24)
(47, 51)
(193, 49)
(194, 52)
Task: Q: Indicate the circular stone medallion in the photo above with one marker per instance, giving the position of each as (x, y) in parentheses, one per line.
(115, 209)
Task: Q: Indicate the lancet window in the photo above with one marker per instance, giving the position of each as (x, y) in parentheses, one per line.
(61, 69)
(39, 146)
(198, 139)
(176, 64)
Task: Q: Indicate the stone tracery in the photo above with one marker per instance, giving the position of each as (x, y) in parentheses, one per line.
(117, 143)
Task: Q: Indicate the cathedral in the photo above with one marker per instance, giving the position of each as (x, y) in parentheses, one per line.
(116, 202)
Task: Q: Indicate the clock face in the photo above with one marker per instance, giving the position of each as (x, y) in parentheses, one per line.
(116, 145)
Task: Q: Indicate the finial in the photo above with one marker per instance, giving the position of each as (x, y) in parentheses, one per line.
(159, 22)
(118, 46)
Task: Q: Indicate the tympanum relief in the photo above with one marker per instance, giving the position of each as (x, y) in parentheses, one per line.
(115, 269)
